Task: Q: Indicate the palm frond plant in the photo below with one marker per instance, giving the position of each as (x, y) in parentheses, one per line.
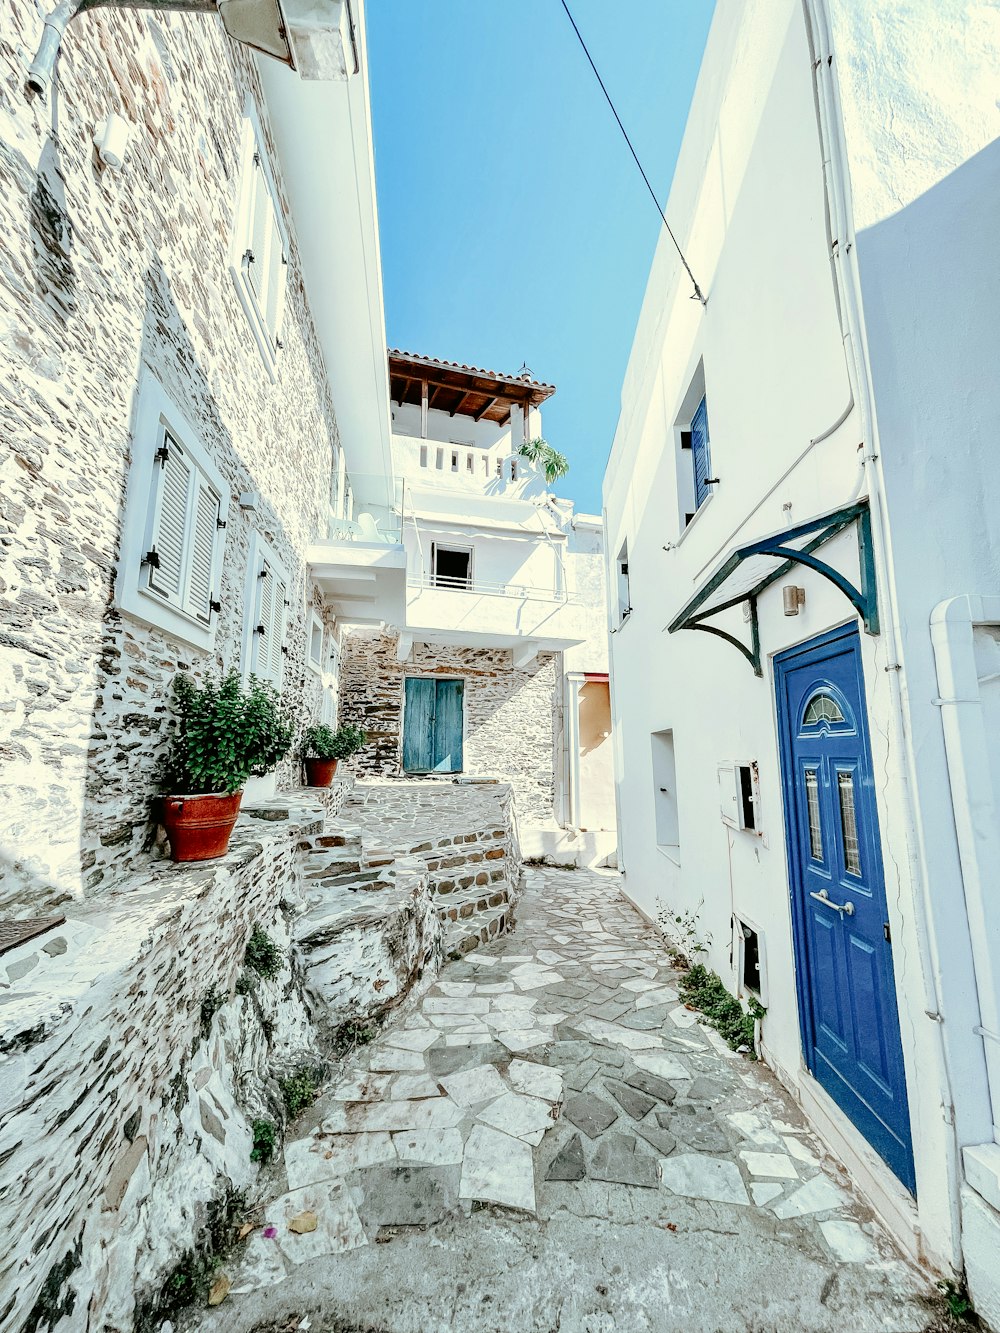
(550, 461)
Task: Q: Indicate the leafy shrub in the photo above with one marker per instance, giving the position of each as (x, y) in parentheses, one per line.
(300, 1090)
(323, 742)
(262, 955)
(552, 463)
(681, 931)
(211, 1002)
(224, 734)
(704, 990)
(265, 1140)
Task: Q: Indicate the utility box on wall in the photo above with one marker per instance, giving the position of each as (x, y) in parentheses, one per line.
(739, 795)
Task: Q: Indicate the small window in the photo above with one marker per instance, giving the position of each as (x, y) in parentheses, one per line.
(315, 645)
(259, 256)
(624, 599)
(822, 708)
(499, 467)
(439, 460)
(454, 460)
(452, 566)
(813, 815)
(423, 455)
(486, 464)
(665, 794)
(267, 601)
(469, 462)
(849, 823)
(751, 974)
(513, 469)
(172, 539)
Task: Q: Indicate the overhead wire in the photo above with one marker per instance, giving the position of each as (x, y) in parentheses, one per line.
(698, 294)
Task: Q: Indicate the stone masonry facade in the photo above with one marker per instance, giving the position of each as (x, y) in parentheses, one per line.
(103, 275)
(512, 719)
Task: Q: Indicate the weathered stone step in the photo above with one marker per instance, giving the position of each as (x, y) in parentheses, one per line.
(462, 906)
(464, 935)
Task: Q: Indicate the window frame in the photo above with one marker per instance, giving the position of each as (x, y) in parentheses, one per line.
(156, 417)
(261, 553)
(253, 153)
(453, 548)
(315, 622)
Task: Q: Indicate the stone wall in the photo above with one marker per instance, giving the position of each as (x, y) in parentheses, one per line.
(102, 273)
(511, 715)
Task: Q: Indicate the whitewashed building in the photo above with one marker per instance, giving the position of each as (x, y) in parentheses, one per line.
(805, 468)
(496, 666)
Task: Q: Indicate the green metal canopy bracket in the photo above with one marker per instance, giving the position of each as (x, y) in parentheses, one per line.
(819, 531)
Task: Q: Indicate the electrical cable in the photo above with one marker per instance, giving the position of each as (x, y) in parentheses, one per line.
(698, 295)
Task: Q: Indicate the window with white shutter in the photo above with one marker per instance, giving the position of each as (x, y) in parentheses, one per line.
(267, 603)
(259, 261)
(170, 561)
(314, 653)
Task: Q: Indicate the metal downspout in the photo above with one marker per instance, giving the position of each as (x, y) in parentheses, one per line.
(42, 69)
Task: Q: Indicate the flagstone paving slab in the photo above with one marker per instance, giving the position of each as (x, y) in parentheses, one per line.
(546, 1138)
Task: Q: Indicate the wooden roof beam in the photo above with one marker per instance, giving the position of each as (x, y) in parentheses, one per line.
(491, 403)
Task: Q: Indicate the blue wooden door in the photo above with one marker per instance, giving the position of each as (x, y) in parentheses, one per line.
(700, 454)
(432, 725)
(845, 982)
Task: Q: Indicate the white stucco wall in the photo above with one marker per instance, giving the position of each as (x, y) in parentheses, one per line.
(749, 208)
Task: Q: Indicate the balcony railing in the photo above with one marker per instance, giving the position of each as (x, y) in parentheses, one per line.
(484, 588)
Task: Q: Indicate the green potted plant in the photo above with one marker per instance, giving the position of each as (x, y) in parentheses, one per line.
(224, 733)
(323, 747)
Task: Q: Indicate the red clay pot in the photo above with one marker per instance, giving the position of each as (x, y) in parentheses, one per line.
(319, 772)
(199, 827)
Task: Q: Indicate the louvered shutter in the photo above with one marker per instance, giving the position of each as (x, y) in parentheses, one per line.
(277, 636)
(701, 458)
(204, 534)
(262, 627)
(277, 283)
(172, 477)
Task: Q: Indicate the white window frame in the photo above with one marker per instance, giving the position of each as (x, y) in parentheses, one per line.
(262, 555)
(156, 418)
(265, 324)
(314, 623)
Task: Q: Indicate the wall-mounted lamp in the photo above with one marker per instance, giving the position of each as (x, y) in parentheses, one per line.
(792, 598)
(250, 501)
(112, 139)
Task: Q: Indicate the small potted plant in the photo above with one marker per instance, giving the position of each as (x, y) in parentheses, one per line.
(322, 747)
(224, 733)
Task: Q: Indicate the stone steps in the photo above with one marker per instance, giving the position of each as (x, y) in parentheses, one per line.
(468, 933)
(462, 906)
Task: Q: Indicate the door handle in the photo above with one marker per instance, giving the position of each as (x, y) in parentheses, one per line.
(845, 909)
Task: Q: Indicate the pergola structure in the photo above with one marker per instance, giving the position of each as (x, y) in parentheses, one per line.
(448, 386)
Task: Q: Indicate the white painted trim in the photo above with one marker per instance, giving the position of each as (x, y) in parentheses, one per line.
(153, 412)
(315, 621)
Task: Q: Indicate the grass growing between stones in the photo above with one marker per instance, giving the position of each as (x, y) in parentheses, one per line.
(262, 961)
(704, 990)
(191, 1277)
(265, 1140)
(300, 1090)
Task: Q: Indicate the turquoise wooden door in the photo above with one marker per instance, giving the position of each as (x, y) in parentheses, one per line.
(432, 725)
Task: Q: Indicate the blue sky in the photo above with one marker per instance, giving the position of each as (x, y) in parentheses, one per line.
(514, 223)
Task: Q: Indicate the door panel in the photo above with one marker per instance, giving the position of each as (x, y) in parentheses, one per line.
(448, 727)
(418, 725)
(432, 725)
(845, 980)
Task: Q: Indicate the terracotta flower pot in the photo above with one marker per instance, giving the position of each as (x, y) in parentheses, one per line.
(319, 772)
(199, 827)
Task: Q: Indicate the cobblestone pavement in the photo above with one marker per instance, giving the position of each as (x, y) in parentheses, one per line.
(548, 1140)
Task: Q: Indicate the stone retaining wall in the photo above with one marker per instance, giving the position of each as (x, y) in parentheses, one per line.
(511, 714)
(131, 1068)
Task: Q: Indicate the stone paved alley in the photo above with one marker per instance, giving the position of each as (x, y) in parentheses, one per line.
(548, 1140)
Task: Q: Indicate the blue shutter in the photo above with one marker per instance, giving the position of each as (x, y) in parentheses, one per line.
(701, 457)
